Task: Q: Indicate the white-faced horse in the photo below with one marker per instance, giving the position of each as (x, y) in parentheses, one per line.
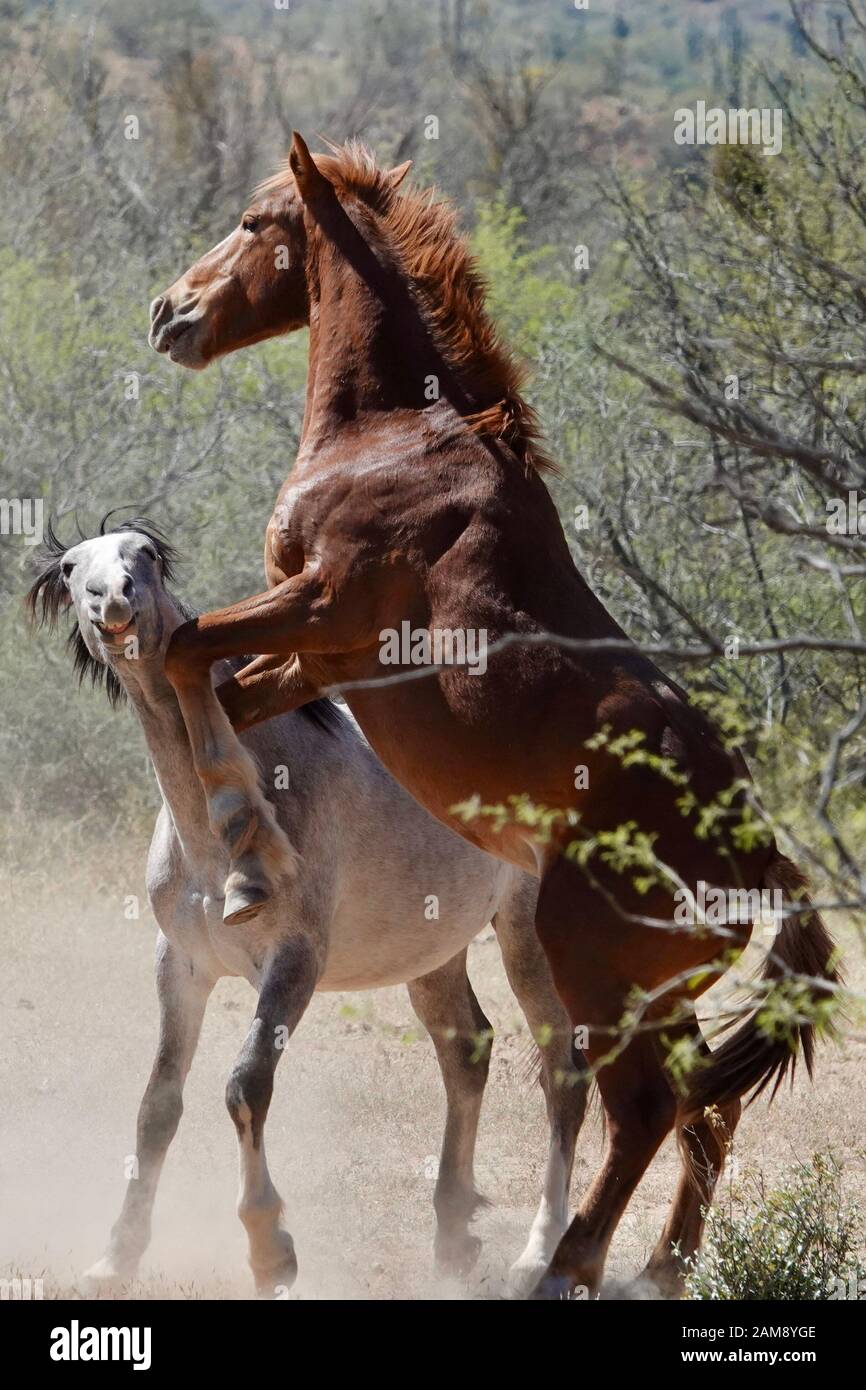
(382, 894)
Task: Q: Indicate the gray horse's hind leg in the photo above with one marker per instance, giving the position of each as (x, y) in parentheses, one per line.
(446, 1005)
(183, 994)
(288, 982)
(561, 1075)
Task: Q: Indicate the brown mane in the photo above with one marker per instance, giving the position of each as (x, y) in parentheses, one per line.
(422, 230)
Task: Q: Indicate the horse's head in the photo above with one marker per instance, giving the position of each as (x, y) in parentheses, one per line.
(115, 582)
(253, 284)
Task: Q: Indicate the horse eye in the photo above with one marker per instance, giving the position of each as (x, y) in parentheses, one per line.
(66, 568)
(250, 223)
(151, 554)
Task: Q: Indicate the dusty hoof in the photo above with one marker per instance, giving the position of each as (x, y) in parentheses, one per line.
(524, 1275)
(457, 1258)
(275, 1283)
(665, 1281)
(242, 904)
(106, 1274)
(555, 1288)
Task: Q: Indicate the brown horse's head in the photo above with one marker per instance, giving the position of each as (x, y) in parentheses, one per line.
(253, 284)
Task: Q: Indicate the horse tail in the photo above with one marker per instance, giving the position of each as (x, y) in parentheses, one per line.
(759, 1053)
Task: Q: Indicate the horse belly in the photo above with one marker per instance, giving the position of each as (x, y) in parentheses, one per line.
(375, 943)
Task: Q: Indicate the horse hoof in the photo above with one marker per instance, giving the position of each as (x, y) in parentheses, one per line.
(557, 1288)
(456, 1259)
(242, 904)
(106, 1274)
(663, 1282)
(275, 1283)
(525, 1275)
(275, 1286)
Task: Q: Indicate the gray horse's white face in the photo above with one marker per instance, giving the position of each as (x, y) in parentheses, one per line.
(115, 585)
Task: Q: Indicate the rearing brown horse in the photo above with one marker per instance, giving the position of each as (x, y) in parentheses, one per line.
(417, 497)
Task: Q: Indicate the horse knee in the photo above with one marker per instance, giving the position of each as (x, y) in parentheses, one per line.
(463, 1039)
(248, 1097)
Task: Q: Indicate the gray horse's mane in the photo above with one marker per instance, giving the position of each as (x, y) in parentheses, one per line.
(48, 596)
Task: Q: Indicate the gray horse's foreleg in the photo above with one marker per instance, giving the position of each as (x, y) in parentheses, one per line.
(183, 993)
(561, 1075)
(288, 982)
(446, 1005)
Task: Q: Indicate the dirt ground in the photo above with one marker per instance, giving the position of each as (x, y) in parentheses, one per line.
(353, 1131)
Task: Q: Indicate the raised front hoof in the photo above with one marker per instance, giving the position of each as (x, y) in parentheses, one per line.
(455, 1257)
(276, 1281)
(242, 904)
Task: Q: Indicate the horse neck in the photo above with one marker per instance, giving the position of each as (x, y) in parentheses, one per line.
(155, 703)
(370, 349)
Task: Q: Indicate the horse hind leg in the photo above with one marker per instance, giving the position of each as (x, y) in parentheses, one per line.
(183, 993)
(561, 1074)
(587, 944)
(640, 1108)
(446, 1004)
(704, 1148)
(287, 987)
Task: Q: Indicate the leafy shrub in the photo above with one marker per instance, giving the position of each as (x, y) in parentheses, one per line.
(799, 1241)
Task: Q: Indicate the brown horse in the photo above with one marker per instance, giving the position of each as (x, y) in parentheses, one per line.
(417, 506)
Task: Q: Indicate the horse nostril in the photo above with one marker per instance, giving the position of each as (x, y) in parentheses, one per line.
(155, 306)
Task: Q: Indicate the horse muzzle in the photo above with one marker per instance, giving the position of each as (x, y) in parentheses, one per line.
(172, 332)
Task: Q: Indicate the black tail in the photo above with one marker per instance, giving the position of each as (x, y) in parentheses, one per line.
(753, 1057)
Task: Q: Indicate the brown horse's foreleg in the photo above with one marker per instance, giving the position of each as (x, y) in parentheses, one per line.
(183, 994)
(299, 614)
(267, 687)
(445, 1003)
(259, 850)
(287, 987)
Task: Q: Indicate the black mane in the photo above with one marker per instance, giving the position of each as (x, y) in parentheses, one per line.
(49, 594)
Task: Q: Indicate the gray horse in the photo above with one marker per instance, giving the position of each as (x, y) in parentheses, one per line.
(381, 894)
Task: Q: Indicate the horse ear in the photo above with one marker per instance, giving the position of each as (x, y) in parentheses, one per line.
(308, 177)
(396, 175)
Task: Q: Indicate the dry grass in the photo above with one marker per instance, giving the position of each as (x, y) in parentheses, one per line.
(357, 1114)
